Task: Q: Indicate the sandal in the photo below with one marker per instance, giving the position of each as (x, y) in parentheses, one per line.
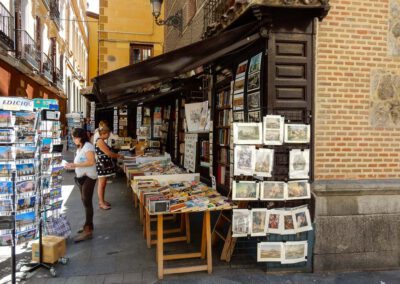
(104, 207)
(107, 203)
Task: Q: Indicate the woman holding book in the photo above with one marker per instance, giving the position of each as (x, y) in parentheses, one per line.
(86, 175)
(104, 165)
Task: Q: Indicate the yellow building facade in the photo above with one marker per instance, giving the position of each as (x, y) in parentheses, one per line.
(93, 27)
(127, 34)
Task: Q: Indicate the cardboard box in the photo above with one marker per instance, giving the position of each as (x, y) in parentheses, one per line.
(53, 248)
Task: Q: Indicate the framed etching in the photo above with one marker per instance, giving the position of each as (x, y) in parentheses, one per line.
(245, 190)
(295, 252)
(273, 129)
(238, 116)
(299, 189)
(244, 160)
(269, 252)
(238, 86)
(254, 116)
(241, 69)
(240, 222)
(253, 82)
(238, 101)
(264, 162)
(247, 133)
(255, 63)
(275, 221)
(273, 190)
(258, 222)
(253, 100)
(297, 133)
(302, 219)
(299, 164)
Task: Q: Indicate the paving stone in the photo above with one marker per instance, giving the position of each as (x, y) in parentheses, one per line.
(95, 279)
(76, 280)
(132, 277)
(114, 278)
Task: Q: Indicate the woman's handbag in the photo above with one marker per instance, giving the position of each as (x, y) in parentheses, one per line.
(58, 226)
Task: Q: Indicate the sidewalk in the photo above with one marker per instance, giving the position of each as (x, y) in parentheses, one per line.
(118, 253)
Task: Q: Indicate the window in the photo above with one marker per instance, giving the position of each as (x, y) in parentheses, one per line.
(139, 52)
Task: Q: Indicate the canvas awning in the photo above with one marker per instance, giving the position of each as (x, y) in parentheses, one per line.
(124, 83)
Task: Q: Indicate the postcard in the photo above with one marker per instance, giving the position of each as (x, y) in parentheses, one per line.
(5, 118)
(238, 116)
(247, 133)
(6, 153)
(241, 69)
(297, 133)
(253, 100)
(255, 63)
(254, 116)
(5, 170)
(238, 101)
(26, 203)
(46, 145)
(25, 135)
(273, 190)
(302, 220)
(6, 205)
(275, 222)
(6, 187)
(299, 164)
(6, 240)
(269, 252)
(238, 86)
(295, 252)
(25, 153)
(264, 162)
(244, 160)
(7, 136)
(56, 205)
(299, 189)
(25, 119)
(288, 223)
(258, 222)
(25, 186)
(25, 219)
(245, 190)
(253, 82)
(273, 129)
(240, 222)
(25, 169)
(26, 236)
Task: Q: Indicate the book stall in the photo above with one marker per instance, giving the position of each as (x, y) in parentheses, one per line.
(74, 120)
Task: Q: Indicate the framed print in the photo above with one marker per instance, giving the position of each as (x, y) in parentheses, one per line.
(255, 63)
(154, 144)
(240, 222)
(302, 220)
(295, 252)
(299, 189)
(273, 129)
(299, 164)
(269, 252)
(244, 160)
(247, 133)
(254, 116)
(238, 101)
(297, 133)
(253, 100)
(264, 162)
(245, 190)
(146, 111)
(288, 223)
(258, 222)
(273, 190)
(275, 222)
(157, 131)
(238, 116)
(144, 131)
(241, 69)
(238, 86)
(253, 82)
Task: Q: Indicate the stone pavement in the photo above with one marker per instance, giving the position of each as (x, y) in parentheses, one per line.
(118, 253)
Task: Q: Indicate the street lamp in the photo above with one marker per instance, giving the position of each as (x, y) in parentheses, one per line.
(172, 21)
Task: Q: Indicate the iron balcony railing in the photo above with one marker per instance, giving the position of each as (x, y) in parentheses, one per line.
(6, 27)
(47, 67)
(55, 12)
(214, 9)
(47, 4)
(58, 78)
(29, 51)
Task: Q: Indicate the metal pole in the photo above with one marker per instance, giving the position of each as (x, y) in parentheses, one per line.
(13, 244)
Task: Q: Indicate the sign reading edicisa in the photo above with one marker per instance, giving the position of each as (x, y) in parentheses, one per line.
(15, 103)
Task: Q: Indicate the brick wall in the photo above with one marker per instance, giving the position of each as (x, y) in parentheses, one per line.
(352, 44)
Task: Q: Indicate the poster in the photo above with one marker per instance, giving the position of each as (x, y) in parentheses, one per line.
(190, 152)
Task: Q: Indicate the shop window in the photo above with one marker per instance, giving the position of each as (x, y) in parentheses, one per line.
(139, 52)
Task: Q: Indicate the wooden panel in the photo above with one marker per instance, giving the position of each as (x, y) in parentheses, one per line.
(290, 71)
(290, 49)
(290, 93)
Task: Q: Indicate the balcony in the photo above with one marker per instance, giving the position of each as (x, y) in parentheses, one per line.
(29, 52)
(214, 9)
(55, 12)
(58, 78)
(6, 28)
(47, 4)
(47, 67)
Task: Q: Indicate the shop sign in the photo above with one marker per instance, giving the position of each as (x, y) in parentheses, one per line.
(51, 104)
(15, 103)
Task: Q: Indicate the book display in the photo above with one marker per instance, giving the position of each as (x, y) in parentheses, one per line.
(181, 131)
(122, 121)
(74, 120)
(165, 141)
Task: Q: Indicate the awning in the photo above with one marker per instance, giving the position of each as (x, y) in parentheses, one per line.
(124, 82)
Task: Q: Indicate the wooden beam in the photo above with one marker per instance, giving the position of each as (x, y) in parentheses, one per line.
(182, 256)
(160, 247)
(185, 269)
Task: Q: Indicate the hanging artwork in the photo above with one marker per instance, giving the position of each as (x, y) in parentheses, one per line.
(238, 101)
(247, 133)
(269, 251)
(245, 190)
(241, 69)
(258, 222)
(295, 252)
(244, 160)
(253, 82)
(272, 190)
(297, 133)
(196, 116)
(299, 164)
(253, 100)
(299, 189)
(240, 222)
(275, 222)
(255, 63)
(264, 162)
(302, 219)
(273, 130)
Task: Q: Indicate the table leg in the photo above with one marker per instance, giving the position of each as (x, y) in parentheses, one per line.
(203, 238)
(208, 235)
(187, 223)
(160, 246)
(148, 230)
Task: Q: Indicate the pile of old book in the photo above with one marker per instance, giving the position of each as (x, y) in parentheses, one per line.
(180, 197)
(151, 168)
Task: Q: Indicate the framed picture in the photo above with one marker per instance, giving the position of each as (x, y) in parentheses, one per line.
(297, 133)
(244, 160)
(264, 162)
(238, 116)
(295, 252)
(288, 223)
(238, 86)
(247, 133)
(240, 222)
(302, 220)
(269, 252)
(299, 164)
(299, 189)
(255, 63)
(157, 131)
(146, 111)
(258, 222)
(241, 69)
(275, 222)
(253, 82)
(245, 190)
(238, 101)
(144, 131)
(273, 190)
(254, 116)
(154, 144)
(273, 129)
(253, 100)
